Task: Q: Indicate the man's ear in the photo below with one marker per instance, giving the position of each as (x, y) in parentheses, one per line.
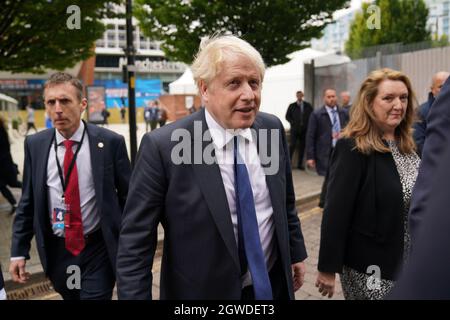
(203, 88)
(84, 104)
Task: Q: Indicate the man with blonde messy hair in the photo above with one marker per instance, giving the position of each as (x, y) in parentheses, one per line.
(231, 229)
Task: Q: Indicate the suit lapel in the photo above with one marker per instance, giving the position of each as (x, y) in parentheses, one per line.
(96, 147)
(211, 185)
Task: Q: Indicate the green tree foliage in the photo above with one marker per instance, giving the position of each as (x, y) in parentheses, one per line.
(34, 35)
(274, 27)
(401, 21)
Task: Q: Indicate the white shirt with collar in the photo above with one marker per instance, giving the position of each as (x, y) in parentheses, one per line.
(89, 211)
(330, 114)
(224, 152)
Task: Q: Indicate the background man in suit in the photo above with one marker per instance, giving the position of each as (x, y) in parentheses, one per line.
(75, 186)
(420, 126)
(345, 101)
(298, 114)
(231, 231)
(426, 275)
(325, 125)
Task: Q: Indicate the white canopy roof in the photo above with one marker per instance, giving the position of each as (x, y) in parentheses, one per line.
(184, 84)
(4, 97)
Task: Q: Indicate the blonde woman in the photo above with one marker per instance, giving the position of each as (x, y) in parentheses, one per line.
(364, 235)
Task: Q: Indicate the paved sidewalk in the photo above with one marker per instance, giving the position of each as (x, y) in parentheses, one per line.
(307, 185)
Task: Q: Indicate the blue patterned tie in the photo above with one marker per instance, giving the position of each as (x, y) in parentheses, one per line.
(336, 126)
(249, 232)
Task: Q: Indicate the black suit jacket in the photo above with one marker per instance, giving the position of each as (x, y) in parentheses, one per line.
(8, 173)
(426, 276)
(297, 119)
(318, 137)
(111, 171)
(363, 218)
(200, 256)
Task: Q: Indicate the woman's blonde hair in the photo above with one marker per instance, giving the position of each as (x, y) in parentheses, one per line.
(362, 125)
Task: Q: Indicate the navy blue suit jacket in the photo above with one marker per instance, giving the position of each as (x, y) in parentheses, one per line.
(111, 172)
(318, 137)
(200, 255)
(427, 276)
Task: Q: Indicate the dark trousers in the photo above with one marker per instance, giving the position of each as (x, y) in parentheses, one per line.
(7, 193)
(277, 281)
(297, 138)
(97, 276)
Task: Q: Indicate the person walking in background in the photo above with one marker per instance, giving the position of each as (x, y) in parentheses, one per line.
(8, 169)
(420, 127)
(30, 119)
(123, 112)
(324, 128)
(373, 170)
(297, 115)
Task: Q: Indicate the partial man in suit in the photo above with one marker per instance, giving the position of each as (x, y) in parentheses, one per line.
(297, 115)
(420, 127)
(231, 229)
(2, 286)
(75, 187)
(426, 275)
(325, 125)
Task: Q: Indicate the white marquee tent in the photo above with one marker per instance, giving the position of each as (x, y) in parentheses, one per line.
(184, 84)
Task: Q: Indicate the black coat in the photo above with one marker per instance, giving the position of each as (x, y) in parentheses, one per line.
(363, 219)
(297, 119)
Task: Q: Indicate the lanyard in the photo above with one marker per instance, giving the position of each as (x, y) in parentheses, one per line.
(72, 164)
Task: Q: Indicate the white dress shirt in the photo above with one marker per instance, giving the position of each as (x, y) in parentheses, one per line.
(2, 294)
(224, 152)
(89, 211)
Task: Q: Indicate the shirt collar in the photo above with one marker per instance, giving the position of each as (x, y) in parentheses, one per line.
(330, 109)
(221, 136)
(75, 137)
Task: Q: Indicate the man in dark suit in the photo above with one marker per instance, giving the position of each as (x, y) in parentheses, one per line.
(426, 275)
(231, 229)
(298, 114)
(324, 128)
(75, 186)
(325, 125)
(420, 127)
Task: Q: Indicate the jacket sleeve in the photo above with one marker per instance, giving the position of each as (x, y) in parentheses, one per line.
(142, 214)
(346, 170)
(23, 222)
(122, 172)
(296, 240)
(420, 128)
(289, 114)
(311, 137)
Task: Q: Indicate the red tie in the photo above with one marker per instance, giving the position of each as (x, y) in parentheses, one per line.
(75, 242)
